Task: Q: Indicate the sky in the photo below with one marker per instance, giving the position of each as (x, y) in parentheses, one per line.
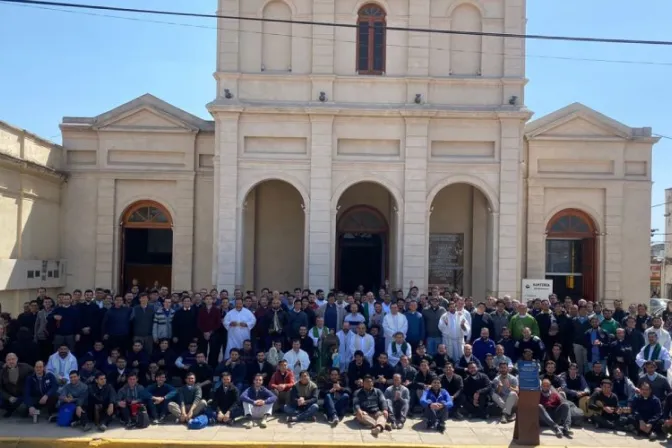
(55, 64)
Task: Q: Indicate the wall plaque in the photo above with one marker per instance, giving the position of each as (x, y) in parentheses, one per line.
(446, 260)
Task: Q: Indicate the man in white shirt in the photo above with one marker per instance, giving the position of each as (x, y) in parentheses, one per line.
(398, 348)
(297, 359)
(61, 364)
(455, 328)
(239, 323)
(364, 342)
(663, 335)
(345, 340)
(392, 323)
(654, 351)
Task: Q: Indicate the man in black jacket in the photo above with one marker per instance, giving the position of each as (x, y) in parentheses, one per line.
(185, 328)
(336, 397)
(454, 384)
(90, 318)
(100, 404)
(226, 401)
(476, 392)
(260, 367)
(371, 407)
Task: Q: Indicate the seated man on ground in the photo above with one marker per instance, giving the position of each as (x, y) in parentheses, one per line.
(477, 391)
(129, 399)
(398, 401)
(302, 404)
(371, 407)
(336, 397)
(13, 378)
(75, 392)
(226, 401)
(257, 403)
(575, 388)
(554, 412)
(100, 403)
(160, 394)
(454, 385)
(436, 403)
(189, 403)
(603, 406)
(505, 392)
(646, 414)
(281, 384)
(41, 393)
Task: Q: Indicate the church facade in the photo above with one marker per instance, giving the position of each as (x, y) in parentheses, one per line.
(344, 156)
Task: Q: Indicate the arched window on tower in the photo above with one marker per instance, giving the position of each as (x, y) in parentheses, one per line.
(466, 49)
(276, 48)
(371, 30)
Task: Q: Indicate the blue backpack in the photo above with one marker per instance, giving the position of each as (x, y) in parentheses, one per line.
(66, 414)
(199, 422)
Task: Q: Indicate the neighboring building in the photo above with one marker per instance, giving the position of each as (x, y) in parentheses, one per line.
(667, 261)
(341, 156)
(31, 183)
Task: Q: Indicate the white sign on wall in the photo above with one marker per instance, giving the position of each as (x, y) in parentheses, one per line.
(536, 289)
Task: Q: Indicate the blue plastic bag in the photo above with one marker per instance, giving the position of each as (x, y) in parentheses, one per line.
(199, 422)
(66, 414)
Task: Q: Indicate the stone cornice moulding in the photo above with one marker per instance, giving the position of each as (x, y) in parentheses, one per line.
(371, 110)
(32, 168)
(140, 175)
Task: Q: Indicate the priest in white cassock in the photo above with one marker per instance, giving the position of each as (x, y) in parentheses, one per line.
(398, 348)
(345, 339)
(454, 327)
(239, 323)
(656, 352)
(297, 359)
(364, 342)
(393, 322)
(460, 311)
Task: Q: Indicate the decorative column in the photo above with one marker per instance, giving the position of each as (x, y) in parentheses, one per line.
(240, 245)
(306, 243)
(183, 235)
(399, 246)
(509, 202)
(215, 220)
(320, 228)
(227, 205)
(613, 241)
(332, 244)
(105, 230)
(493, 253)
(416, 219)
(536, 231)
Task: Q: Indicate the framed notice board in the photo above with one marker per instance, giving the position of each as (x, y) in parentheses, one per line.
(446, 260)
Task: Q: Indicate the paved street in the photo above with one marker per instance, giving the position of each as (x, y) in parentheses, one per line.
(348, 432)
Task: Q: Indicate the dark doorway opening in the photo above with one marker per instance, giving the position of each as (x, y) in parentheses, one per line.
(146, 246)
(148, 256)
(361, 261)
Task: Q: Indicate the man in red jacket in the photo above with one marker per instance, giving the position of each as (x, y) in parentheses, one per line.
(554, 412)
(209, 322)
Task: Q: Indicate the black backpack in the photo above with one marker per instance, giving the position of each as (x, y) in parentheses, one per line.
(142, 418)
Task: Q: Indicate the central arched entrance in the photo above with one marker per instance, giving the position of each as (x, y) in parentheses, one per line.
(362, 249)
(146, 245)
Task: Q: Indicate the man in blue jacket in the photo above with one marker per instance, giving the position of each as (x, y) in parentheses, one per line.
(257, 403)
(116, 325)
(416, 325)
(41, 393)
(64, 322)
(436, 403)
(483, 345)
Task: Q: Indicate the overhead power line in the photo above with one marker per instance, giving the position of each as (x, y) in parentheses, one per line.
(193, 25)
(342, 25)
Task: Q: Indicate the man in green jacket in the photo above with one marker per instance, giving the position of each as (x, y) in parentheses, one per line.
(522, 320)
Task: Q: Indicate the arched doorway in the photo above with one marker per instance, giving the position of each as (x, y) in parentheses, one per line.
(362, 249)
(146, 245)
(273, 236)
(571, 253)
(460, 249)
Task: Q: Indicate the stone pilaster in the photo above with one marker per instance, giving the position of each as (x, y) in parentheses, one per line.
(323, 37)
(321, 244)
(228, 36)
(215, 219)
(415, 216)
(536, 233)
(418, 43)
(613, 240)
(514, 49)
(183, 236)
(509, 203)
(105, 230)
(226, 147)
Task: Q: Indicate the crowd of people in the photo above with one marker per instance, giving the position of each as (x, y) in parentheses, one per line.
(202, 358)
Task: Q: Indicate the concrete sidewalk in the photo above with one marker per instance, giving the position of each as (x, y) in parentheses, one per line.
(24, 434)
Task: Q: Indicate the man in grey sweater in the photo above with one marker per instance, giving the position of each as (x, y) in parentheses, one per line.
(189, 401)
(398, 399)
(76, 392)
(142, 322)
